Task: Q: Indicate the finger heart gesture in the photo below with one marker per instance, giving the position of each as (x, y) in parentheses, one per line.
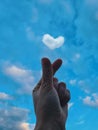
(50, 98)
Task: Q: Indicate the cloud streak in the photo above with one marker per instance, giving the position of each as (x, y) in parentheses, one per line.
(5, 96)
(72, 81)
(23, 76)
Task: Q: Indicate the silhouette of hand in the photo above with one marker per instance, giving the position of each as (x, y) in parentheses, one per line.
(50, 99)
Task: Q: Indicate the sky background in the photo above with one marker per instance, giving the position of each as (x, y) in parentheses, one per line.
(32, 29)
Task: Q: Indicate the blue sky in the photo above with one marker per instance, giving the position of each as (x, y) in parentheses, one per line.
(32, 29)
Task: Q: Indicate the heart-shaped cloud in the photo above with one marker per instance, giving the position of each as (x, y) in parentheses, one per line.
(51, 42)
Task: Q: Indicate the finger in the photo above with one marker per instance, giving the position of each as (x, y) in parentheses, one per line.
(61, 92)
(62, 85)
(46, 73)
(64, 94)
(68, 95)
(56, 65)
(55, 83)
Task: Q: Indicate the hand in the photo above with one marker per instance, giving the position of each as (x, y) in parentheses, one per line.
(50, 98)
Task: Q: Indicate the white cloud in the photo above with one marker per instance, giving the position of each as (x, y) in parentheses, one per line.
(27, 126)
(87, 91)
(72, 81)
(14, 118)
(80, 122)
(4, 96)
(22, 76)
(81, 82)
(91, 100)
(70, 105)
(31, 126)
(51, 42)
(24, 126)
(16, 71)
(84, 85)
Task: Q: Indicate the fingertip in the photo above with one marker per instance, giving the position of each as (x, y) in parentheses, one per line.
(45, 61)
(58, 62)
(62, 85)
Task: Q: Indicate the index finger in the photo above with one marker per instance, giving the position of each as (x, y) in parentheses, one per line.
(55, 66)
(47, 73)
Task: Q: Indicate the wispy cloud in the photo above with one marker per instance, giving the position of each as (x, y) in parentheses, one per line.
(30, 33)
(27, 126)
(80, 122)
(91, 100)
(76, 57)
(84, 85)
(20, 75)
(5, 96)
(35, 15)
(70, 105)
(14, 118)
(51, 42)
(72, 81)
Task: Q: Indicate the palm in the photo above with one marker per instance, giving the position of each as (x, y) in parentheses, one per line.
(50, 97)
